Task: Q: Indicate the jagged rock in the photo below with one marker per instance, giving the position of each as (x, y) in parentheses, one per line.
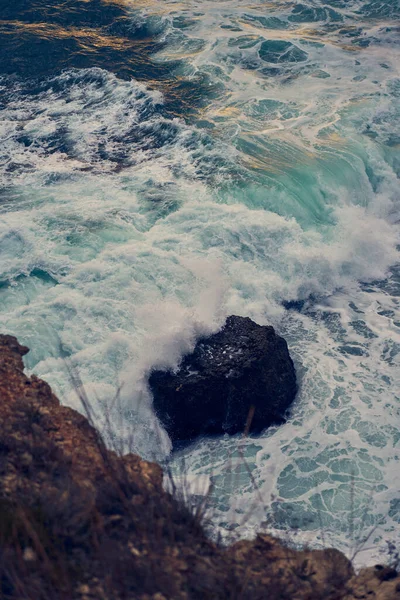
(78, 521)
(241, 366)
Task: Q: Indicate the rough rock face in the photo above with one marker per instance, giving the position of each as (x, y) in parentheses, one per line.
(244, 365)
(78, 522)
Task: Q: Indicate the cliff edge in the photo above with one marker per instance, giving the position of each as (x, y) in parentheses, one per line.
(79, 522)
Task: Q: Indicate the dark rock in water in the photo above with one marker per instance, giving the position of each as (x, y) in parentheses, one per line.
(212, 393)
(296, 305)
(304, 305)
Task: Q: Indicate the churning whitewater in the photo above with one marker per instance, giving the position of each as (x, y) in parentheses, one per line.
(171, 164)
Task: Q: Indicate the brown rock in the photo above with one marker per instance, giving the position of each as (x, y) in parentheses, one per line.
(370, 583)
(77, 521)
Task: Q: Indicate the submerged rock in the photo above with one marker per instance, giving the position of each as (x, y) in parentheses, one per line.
(244, 365)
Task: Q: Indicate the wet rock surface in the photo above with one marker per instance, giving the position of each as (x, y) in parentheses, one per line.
(242, 373)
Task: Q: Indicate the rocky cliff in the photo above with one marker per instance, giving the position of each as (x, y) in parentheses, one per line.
(79, 522)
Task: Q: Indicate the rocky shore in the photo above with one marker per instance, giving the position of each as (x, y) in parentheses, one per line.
(77, 521)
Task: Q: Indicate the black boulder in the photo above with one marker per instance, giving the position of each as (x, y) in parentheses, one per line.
(244, 365)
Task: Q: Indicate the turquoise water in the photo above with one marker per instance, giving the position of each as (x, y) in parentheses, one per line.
(244, 159)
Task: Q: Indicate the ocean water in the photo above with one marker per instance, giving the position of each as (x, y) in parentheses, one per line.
(166, 164)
